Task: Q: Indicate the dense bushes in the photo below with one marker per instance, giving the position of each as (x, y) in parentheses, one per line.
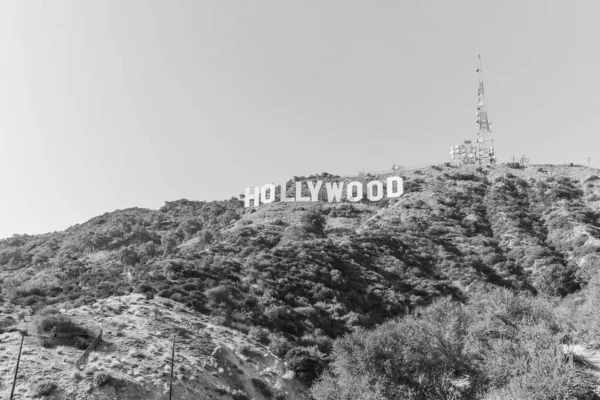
(500, 345)
(413, 358)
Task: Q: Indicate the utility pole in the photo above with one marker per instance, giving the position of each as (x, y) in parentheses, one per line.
(12, 392)
(172, 362)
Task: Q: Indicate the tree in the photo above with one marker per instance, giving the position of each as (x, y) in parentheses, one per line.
(169, 243)
(129, 256)
(150, 249)
(313, 221)
(306, 362)
(189, 228)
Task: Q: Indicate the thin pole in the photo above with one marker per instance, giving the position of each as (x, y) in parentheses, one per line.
(17, 368)
(172, 362)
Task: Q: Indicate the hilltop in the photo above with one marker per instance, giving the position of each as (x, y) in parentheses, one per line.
(296, 276)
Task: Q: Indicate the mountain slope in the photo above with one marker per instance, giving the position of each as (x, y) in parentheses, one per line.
(301, 274)
(211, 362)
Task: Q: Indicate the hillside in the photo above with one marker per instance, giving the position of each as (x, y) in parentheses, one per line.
(299, 275)
(211, 362)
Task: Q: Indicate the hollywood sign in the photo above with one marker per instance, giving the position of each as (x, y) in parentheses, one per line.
(335, 190)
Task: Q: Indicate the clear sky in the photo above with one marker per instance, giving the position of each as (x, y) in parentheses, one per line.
(113, 104)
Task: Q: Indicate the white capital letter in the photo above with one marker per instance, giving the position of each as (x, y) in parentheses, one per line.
(390, 186)
(285, 199)
(299, 193)
(334, 191)
(252, 193)
(314, 190)
(269, 187)
(359, 191)
(370, 193)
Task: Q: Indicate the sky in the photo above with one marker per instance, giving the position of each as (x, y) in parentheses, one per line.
(113, 104)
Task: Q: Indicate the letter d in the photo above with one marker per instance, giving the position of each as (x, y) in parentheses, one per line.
(390, 186)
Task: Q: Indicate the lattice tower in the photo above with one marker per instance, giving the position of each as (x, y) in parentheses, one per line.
(484, 143)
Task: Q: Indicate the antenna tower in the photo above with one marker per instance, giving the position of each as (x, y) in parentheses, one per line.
(482, 151)
(484, 141)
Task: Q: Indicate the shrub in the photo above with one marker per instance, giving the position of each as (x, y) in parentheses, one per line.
(221, 294)
(143, 288)
(219, 320)
(81, 343)
(191, 286)
(262, 387)
(48, 310)
(178, 297)
(31, 300)
(274, 313)
(221, 389)
(102, 379)
(279, 345)
(238, 394)
(245, 350)
(592, 178)
(323, 342)
(57, 323)
(261, 335)
(196, 305)
(307, 363)
(313, 221)
(31, 291)
(44, 389)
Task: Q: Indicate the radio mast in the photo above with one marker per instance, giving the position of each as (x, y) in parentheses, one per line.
(485, 142)
(482, 151)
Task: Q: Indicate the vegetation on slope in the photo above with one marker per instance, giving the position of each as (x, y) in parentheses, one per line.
(498, 345)
(297, 276)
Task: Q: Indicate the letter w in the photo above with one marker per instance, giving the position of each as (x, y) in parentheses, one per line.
(334, 191)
